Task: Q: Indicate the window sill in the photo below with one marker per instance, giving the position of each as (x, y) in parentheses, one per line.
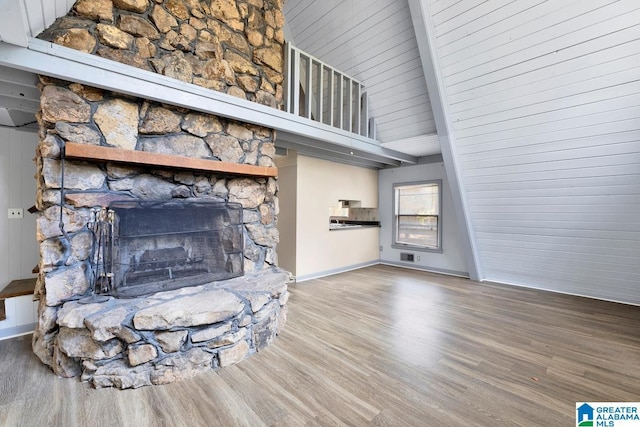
(417, 248)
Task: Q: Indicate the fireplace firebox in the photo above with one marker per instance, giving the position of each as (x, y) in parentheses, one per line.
(145, 247)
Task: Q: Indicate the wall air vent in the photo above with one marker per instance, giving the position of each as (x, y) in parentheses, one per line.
(405, 256)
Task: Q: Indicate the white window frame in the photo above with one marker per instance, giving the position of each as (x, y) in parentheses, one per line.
(400, 245)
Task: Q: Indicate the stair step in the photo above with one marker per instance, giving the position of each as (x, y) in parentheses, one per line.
(15, 288)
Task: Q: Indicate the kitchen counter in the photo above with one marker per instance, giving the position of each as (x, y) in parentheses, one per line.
(342, 226)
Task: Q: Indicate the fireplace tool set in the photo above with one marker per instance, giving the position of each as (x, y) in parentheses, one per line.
(101, 276)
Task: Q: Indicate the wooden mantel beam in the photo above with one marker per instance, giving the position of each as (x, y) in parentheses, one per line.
(118, 155)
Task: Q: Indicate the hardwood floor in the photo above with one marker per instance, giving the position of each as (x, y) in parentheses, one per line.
(379, 346)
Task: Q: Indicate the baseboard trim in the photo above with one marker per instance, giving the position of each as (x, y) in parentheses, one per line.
(427, 269)
(556, 291)
(331, 272)
(17, 331)
(378, 262)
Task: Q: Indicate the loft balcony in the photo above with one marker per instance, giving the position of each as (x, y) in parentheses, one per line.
(319, 92)
(331, 101)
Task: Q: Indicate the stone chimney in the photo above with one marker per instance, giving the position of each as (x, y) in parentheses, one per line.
(230, 46)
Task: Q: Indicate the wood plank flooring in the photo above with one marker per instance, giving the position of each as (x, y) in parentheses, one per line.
(380, 346)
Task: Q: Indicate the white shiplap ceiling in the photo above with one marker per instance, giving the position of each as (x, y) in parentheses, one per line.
(416, 146)
(374, 42)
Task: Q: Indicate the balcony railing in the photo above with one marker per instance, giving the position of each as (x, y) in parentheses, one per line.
(319, 92)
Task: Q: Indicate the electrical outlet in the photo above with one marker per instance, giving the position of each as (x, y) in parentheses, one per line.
(16, 213)
(418, 258)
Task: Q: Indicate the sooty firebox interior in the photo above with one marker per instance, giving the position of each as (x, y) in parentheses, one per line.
(156, 246)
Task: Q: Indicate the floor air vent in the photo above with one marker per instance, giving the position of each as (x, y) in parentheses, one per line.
(405, 256)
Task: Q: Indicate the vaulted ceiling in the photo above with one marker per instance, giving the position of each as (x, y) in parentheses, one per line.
(375, 43)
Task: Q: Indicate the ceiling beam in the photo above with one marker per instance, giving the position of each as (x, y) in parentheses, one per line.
(335, 149)
(12, 90)
(306, 150)
(420, 145)
(57, 61)
(11, 103)
(425, 36)
(19, 77)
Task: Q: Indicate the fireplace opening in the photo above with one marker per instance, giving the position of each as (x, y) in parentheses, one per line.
(143, 247)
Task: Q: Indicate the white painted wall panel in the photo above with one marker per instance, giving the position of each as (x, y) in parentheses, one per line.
(528, 26)
(437, 6)
(451, 260)
(35, 15)
(26, 310)
(10, 312)
(320, 184)
(288, 215)
(62, 7)
(22, 316)
(18, 247)
(491, 74)
(464, 15)
(414, 100)
(544, 99)
(488, 23)
(581, 68)
(38, 15)
(408, 127)
(577, 182)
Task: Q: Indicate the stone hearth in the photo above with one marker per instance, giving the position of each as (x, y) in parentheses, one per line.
(130, 343)
(226, 45)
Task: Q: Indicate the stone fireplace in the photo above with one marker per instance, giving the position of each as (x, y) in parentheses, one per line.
(157, 224)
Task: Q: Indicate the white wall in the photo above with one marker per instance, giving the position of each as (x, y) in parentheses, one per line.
(18, 246)
(544, 101)
(319, 185)
(451, 260)
(287, 217)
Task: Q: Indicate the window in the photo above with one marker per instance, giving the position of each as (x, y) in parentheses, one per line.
(417, 216)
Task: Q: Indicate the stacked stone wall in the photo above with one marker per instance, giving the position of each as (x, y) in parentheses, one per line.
(224, 45)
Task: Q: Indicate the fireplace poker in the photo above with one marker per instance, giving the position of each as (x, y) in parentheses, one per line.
(97, 259)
